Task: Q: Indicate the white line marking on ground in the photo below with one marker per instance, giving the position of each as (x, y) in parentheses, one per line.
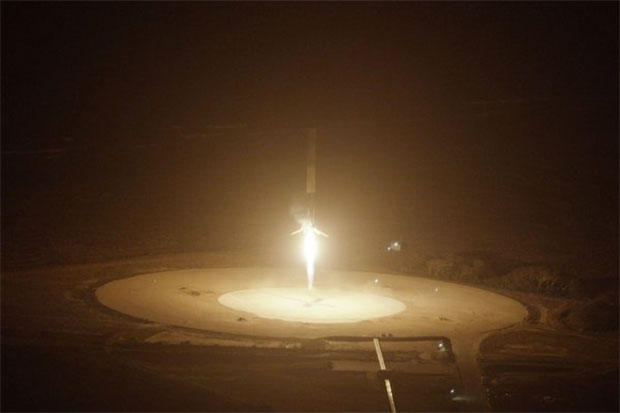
(388, 385)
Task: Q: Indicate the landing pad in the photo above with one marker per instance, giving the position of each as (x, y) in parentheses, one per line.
(312, 306)
(274, 302)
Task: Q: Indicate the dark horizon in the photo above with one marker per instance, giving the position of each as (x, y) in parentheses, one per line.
(89, 71)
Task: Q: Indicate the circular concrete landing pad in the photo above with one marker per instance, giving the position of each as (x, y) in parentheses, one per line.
(274, 302)
(311, 306)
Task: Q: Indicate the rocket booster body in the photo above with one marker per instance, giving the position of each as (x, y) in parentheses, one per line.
(311, 174)
(308, 225)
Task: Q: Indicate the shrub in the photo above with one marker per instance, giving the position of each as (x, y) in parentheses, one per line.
(537, 279)
(599, 314)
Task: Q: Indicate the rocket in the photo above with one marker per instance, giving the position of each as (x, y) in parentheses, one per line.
(308, 224)
(307, 227)
(311, 174)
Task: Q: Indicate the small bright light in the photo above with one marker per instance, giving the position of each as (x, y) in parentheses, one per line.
(436, 289)
(440, 345)
(452, 391)
(376, 280)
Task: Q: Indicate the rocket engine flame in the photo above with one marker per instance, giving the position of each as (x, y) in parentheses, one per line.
(310, 248)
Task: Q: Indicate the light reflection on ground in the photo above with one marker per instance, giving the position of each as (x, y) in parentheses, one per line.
(312, 306)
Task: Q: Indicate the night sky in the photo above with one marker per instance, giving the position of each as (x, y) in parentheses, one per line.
(461, 122)
(92, 71)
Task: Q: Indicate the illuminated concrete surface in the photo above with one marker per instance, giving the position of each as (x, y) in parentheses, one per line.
(312, 306)
(274, 302)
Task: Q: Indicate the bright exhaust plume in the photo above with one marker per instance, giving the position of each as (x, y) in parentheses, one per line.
(310, 247)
